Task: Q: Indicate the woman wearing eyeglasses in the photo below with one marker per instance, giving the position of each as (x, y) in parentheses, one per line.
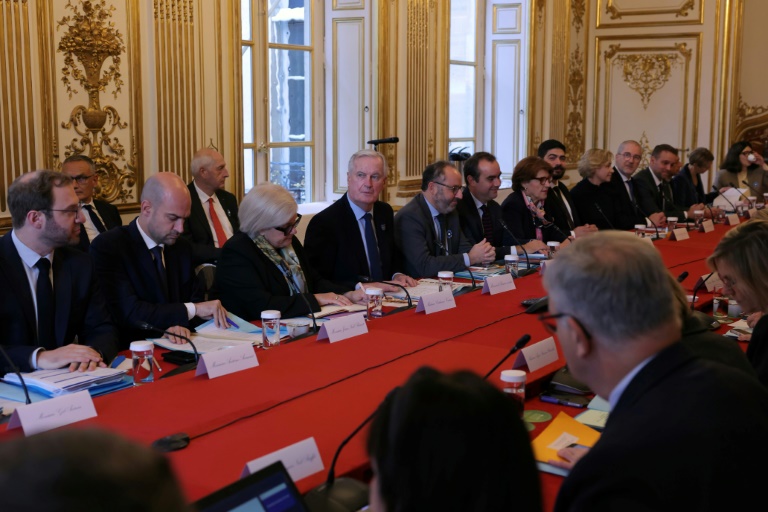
(743, 164)
(523, 210)
(263, 266)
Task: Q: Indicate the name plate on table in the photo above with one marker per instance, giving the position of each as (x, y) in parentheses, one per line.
(751, 213)
(707, 226)
(537, 355)
(498, 284)
(679, 234)
(300, 460)
(229, 360)
(344, 327)
(732, 219)
(56, 412)
(434, 302)
(711, 283)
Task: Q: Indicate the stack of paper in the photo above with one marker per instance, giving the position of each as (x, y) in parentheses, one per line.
(61, 381)
(425, 286)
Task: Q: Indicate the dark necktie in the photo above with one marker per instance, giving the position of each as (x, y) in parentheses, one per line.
(443, 234)
(46, 305)
(373, 250)
(631, 185)
(487, 224)
(666, 195)
(157, 255)
(559, 197)
(94, 218)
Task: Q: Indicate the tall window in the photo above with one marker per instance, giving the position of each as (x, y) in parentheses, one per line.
(462, 119)
(282, 77)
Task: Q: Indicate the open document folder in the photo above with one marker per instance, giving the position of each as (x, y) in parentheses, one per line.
(732, 197)
(564, 431)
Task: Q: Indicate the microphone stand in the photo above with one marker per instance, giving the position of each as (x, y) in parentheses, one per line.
(407, 296)
(723, 196)
(471, 275)
(528, 270)
(184, 367)
(682, 277)
(524, 339)
(15, 369)
(600, 211)
(750, 187)
(655, 227)
(697, 288)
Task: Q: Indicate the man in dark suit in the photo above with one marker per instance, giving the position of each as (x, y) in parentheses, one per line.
(428, 230)
(99, 215)
(558, 203)
(354, 238)
(627, 212)
(655, 193)
(670, 442)
(52, 309)
(213, 217)
(146, 269)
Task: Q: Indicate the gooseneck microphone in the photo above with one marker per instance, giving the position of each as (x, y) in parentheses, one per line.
(524, 339)
(600, 211)
(388, 140)
(697, 288)
(682, 277)
(751, 187)
(292, 285)
(739, 191)
(723, 196)
(528, 270)
(184, 367)
(655, 227)
(15, 369)
(366, 279)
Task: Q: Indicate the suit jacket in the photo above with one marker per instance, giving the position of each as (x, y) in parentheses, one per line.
(108, 213)
(472, 223)
(757, 350)
(132, 287)
(415, 237)
(556, 209)
(196, 228)
(671, 443)
(650, 198)
(625, 211)
(247, 282)
(519, 219)
(595, 204)
(756, 177)
(80, 311)
(334, 245)
(686, 193)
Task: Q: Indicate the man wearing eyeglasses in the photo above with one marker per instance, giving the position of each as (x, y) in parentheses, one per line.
(99, 215)
(671, 441)
(628, 212)
(428, 229)
(353, 240)
(52, 308)
(147, 269)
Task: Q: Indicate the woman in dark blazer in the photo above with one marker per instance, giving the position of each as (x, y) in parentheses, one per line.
(523, 210)
(687, 185)
(263, 266)
(593, 196)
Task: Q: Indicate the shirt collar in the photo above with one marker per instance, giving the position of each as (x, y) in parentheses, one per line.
(655, 179)
(203, 196)
(478, 203)
(27, 255)
(432, 209)
(618, 390)
(359, 212)
(147, 240)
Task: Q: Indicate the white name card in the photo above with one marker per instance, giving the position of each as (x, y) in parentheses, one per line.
(300, 460)
(711, 283)
(343, 327)
(226, 361)
(679, 234)
(751, 213)
(537, 355)
(707, 226)
(732, 219)
(498, 284)
(434, 302)
(56, 412)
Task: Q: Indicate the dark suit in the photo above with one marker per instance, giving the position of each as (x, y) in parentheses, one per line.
(651, 199)
(757, 350)
(110, 218)
(472, 223)
(686, 193)
(626, 212)
(334, 245)
(197, 230)
(131, 284)
(415, 237)
(555, 208)
(247, 282)
(80, 310)
(595, 204)
(520, 221)
(672, 442)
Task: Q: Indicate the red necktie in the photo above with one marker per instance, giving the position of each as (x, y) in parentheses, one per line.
(221, 237)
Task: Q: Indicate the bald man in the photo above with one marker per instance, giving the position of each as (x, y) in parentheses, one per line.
(213, 217)
(146, 269)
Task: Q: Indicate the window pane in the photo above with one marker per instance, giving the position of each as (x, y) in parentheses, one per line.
(247, 95)
(463, 27)
(461, 117)
(292, 169)
(249, 171)
(290, 96)
(245, 18)
(287, 22)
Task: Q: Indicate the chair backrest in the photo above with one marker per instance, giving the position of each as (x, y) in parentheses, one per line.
(205, 275)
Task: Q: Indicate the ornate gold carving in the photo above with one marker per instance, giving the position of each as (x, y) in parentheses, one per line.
(92, 39)
(574, 137)
(615, 14)
(540, 11)
(645, 147)
(744, 111)
(647, 73)
(578, 8)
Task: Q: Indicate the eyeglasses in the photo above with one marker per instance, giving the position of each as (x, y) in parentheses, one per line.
(628, 156)
(81, 179)
(455, 189)
(286, 230)
(552, 326)
(68, 211)
(375, 178)
(747, 153)
(545, 180)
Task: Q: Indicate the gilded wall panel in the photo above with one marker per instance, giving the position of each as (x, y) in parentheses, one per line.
(637, 13)
(749, 117)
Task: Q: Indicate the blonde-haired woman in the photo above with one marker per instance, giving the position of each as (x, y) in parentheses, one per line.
(263, 266)
(592, 196)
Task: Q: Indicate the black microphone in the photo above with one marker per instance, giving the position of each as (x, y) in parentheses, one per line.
(739, 191)
(600, 211)
(15, 369)
(655, 227)
(184, 367)
(524, 339)
(697, 288)
(388, 140)
(723, 196)
(682, 277)
(366, 279)
(289, 277)
(529, 270)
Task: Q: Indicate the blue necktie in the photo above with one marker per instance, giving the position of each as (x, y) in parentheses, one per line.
(157, 255)
(373, 250)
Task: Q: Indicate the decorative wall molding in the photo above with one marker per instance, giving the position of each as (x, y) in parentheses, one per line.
(645, 73)
(574, 136)
(633, 13)
(645, 147)
(578, 9)
(745, 111)
(616, 14)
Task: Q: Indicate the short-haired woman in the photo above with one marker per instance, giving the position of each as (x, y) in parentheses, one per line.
(593, 196)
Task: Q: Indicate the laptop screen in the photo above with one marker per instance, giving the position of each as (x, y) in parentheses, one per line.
(268, 490)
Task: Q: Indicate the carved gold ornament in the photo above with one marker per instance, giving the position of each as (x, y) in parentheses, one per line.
(744, 111)
(681, 11)
(578, 8)
(574, 138)
(647, 73)
(645, 147)
(90, 38)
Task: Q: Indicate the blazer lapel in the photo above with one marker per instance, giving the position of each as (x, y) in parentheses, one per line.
(144, 257)
(13, 267)
(62, 290)
(353, 228)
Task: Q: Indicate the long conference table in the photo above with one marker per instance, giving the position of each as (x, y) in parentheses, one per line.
(312, 388)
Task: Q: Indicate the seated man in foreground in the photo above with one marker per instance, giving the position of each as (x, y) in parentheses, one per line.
(671, 442)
